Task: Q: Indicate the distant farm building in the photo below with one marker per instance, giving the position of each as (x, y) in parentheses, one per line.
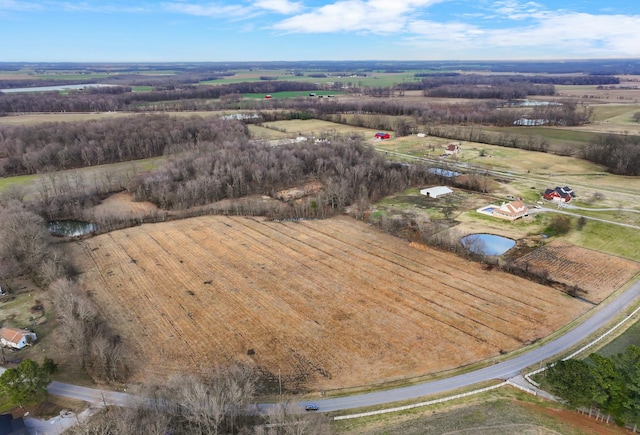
(435, 192)
(528, 122)
(453, 149)
(16, 338)
(560, 194)
(241, 116)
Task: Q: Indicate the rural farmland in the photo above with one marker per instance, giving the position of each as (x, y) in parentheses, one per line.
(328, 304)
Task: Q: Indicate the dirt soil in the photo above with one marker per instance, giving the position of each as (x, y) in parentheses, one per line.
(583, 423)
(597, 273)
(121, 205)
(328, 304)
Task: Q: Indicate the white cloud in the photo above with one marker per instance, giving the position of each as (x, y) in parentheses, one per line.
(515, 10)
(208, 10)
(12, 5)
(279, 6)
(375, 16)
(100, 8)
(573, 35)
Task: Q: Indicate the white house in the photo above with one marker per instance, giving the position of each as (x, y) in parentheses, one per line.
(16, 338)
(434, 192)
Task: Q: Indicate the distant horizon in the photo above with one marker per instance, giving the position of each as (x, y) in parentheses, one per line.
(322, 61)
(121, 31)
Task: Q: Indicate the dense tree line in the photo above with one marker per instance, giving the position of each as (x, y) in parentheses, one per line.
(98, 351)
(611, 384)
(92, 102)
(57, 146)
(26, 246)
(348, 169)
(503, 92)
(619, 154)
(430, 83)
(430, 80)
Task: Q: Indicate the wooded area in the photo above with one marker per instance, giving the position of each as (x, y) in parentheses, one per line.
(611, 384)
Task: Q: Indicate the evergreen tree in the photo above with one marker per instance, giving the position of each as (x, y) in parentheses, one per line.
(26, 383)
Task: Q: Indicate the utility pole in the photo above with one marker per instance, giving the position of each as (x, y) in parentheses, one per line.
(280, 382)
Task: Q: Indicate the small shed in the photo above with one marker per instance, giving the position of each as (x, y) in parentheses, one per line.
(16, 338)
(435, 192)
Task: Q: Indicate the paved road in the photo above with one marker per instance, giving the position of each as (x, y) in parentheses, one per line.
(505, 370)
(599, 317)
(91, 395)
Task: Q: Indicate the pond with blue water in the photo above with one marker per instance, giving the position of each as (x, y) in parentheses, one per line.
(487, 244)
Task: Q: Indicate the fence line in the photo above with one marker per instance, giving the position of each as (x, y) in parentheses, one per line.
(583, 348)
(520, 387)
(418, 405)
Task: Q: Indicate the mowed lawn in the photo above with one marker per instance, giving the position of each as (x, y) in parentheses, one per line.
(327, 304)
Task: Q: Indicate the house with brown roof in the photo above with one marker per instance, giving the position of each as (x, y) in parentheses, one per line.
(511, 210)
(16, 338)
(453, 149)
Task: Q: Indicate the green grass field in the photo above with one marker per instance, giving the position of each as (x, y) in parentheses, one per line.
(372, 79)
(608, 238)
(630, 337)
(500, 412)
(616, 113)
(556, 134)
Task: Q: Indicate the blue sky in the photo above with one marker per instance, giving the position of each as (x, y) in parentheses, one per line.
(265, 30)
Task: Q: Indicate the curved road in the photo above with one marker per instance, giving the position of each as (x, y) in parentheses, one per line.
(599, 317)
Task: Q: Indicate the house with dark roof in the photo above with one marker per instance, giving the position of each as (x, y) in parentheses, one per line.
(16, 338)
(12, 426)
(560, 194)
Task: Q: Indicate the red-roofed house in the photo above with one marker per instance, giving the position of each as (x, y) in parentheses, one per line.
(511, 210)
(16, 338)
(453, 149)
(562, 194)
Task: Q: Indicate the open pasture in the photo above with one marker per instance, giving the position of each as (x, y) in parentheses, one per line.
(316, 127)
(328, 304)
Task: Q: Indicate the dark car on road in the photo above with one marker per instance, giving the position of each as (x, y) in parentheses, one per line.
(311, 407)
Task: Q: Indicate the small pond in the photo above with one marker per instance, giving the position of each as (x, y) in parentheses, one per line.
(69, 228)
(487, 244)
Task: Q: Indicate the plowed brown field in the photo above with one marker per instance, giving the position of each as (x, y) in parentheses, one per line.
(597, 273)
(331, 303)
